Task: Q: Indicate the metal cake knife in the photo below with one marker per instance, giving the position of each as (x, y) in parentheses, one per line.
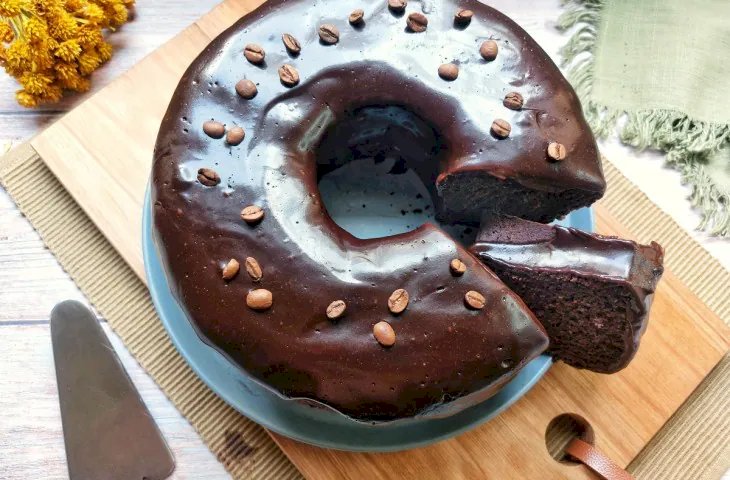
(108, 431)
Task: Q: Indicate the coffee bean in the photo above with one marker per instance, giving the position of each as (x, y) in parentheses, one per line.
(513, 101)
(336, 309)
(463, 17)
(449, 71)
(357, 17)
(501, 128)
(457, 267)
(235, 136)
(252, 214)
(254, 269)
(474, 300)
(254, 53)
(288, 75)
(231, 269)
(556, 151)
(329, 34)
(259, 299)
(417, 22)
(246, 89)
(292, 44)
(489, 50)
(398, 301)
(398, 6)
(214, 129)
(208, 177)
(384, 334)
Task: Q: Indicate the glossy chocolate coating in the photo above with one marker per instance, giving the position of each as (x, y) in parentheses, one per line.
(443, 351)
(530, 246)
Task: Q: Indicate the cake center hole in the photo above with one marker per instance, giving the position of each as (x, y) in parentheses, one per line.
(377, 169)
(368, 200)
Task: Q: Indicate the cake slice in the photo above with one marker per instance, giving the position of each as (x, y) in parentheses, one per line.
(591, 292)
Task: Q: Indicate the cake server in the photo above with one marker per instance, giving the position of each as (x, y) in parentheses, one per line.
(107, 428)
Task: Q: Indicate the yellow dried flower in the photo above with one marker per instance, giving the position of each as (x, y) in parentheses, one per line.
(89, 35)
(41, 57)
(40, 7)
(54, 45)
(68, 50)
(93, 13)
(64, 26)
(53, 93)
(104, 49)
(18, 58)
(88, 62)
(9, 8)
(66, 71)
(6, 33)
(26, 99)
(75, 5)
(35, 83)
(35, 30)
(119, 15)
(83, 84)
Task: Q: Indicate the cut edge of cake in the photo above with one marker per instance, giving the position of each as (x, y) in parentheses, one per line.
(591, 292)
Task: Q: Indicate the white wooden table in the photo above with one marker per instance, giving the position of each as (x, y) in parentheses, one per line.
(32, 282)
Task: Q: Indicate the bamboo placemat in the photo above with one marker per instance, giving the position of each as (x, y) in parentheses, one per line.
(695, 443)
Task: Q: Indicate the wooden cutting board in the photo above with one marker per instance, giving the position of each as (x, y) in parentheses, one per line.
(101, 152)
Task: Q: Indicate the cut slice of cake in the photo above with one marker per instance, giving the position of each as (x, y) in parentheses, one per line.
(591, 292)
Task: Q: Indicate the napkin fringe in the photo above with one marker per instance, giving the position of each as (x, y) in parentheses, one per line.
(690, 145)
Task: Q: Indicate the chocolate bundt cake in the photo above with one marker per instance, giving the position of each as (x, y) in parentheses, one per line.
(592, 293)
(376, 329)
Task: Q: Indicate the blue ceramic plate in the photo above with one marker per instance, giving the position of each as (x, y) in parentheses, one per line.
(308, 424)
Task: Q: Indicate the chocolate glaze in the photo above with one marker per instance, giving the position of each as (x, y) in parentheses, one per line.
(535, 247)
(446, 357)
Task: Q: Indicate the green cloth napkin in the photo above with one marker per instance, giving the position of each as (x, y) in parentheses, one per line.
(659, 72)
